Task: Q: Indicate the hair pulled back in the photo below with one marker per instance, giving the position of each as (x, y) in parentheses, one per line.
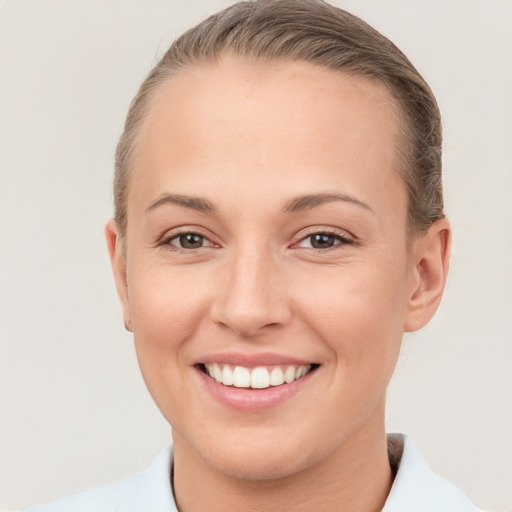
(318, 33)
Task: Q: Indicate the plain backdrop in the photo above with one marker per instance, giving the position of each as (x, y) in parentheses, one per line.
(74, 411)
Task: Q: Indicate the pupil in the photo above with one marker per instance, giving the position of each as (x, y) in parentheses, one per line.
(322, 241)
(191, 241)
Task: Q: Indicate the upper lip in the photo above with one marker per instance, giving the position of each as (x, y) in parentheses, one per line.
(252, 360)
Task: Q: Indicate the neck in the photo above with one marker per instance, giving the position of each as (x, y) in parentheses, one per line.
(355, 477)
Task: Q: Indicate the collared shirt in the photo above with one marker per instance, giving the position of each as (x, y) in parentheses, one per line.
(416, 488)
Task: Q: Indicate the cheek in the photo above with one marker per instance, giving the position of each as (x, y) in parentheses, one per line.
(166, 310)
(358, 312)
(165, 305)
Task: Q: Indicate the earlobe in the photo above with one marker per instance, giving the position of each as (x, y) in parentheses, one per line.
(431, 255)
(117, 259)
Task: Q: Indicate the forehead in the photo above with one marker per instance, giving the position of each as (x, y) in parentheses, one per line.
(279, 122)
(294, 92)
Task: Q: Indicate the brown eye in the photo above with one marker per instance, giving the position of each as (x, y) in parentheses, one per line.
(188, 241)
(322, 241)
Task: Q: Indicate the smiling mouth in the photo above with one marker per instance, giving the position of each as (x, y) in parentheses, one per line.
(260, 377)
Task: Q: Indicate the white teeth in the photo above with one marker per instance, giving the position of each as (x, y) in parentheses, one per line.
(276, 377)
(217, 374)
(241, 377)
(257, 378)
(260, 378)
(289, 374)
(227, 376)
(304, 369)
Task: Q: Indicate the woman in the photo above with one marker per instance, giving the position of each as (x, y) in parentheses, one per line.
(279, 225)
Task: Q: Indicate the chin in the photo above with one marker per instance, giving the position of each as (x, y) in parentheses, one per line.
(261, 467)
(256, 454)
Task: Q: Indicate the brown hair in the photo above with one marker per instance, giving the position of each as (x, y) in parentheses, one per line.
(315, 32)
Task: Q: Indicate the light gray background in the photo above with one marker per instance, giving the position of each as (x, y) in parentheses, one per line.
(74, 410)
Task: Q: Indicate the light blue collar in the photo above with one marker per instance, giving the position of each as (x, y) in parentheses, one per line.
(415, 489)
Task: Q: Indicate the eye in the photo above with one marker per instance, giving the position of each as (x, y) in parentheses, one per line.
(189, 240)
(324, 240)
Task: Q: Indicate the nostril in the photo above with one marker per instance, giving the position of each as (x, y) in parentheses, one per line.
(249, 306)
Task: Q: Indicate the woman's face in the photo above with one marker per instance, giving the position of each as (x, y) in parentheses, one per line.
(267, 229)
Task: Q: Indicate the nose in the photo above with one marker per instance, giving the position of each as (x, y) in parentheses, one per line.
(251, 298)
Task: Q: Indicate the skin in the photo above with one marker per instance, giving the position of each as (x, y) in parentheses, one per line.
(249, 138)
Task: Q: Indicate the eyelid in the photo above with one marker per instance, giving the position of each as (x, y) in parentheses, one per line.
(178, 235)
(172, 234)
(343, 236)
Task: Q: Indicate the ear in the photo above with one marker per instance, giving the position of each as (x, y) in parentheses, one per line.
(430, 255)
(115, 249)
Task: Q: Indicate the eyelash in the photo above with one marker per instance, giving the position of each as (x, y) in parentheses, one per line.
(342, 240)
(167, 241)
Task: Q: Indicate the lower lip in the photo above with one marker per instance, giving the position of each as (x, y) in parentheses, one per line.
(254, 400)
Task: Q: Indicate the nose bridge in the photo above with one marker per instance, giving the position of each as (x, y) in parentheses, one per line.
(250, 297)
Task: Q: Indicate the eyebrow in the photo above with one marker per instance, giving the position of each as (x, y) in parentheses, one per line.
(297, 204)
(194, 203)
(307, 202)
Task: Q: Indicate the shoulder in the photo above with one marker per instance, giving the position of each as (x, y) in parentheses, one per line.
(416, 487)
(106, 498)
(149, 491)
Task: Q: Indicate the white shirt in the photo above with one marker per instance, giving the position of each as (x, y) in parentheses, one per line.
(415, 489)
